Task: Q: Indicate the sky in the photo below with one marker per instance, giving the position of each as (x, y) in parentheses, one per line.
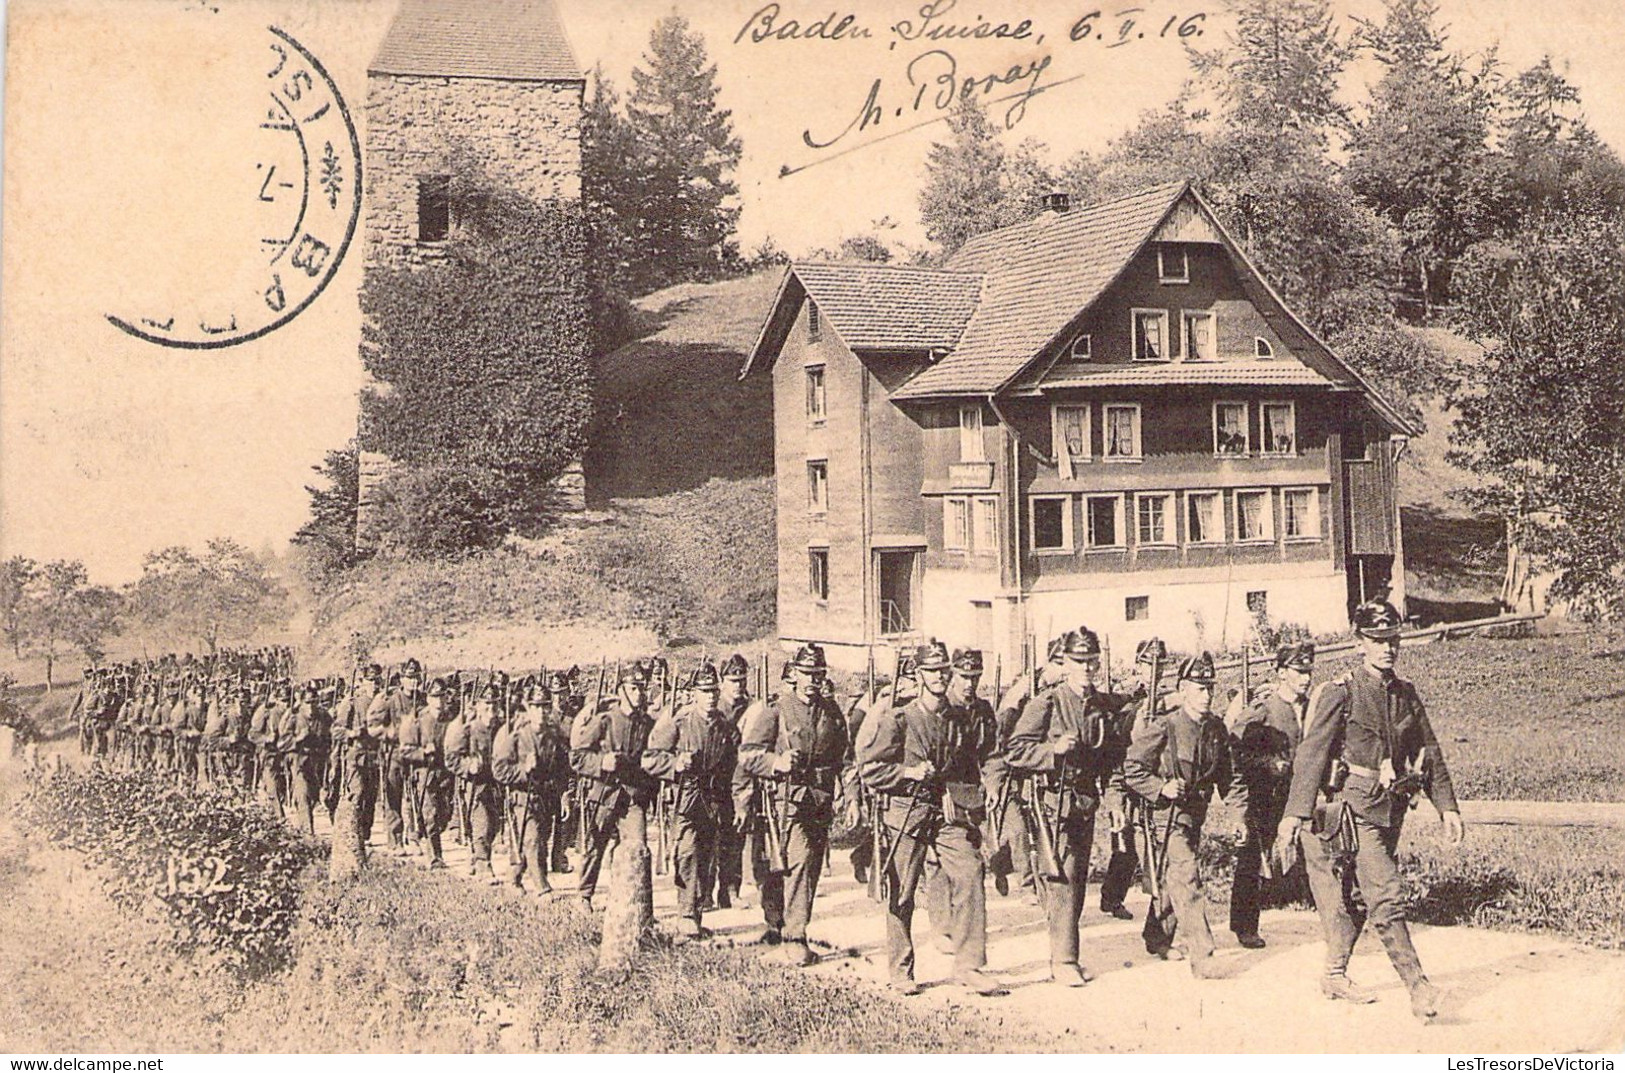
(131, 141)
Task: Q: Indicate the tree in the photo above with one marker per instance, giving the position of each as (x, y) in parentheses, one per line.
(62, 611)
(1539, 417)
(328, 536)
(963, 194)
(16, 574)
(686, 154)
(224, 596)
(611, 178)
(1553, 157)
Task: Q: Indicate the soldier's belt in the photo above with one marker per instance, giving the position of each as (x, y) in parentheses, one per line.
(1365, 772)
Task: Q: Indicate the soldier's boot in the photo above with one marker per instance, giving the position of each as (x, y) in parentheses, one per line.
(978, 982)
(437, 857)
(561, 858)
(790, 952)
(473, 866)
(1119, 911)
(1250, 940)
(769, 936)
(1341, 987)
(1396, 939)
(491, 876)
(1069, 974)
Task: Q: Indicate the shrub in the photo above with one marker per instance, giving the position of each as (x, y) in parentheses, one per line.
(437, 511)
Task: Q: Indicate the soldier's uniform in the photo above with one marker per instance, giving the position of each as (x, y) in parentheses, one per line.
(1370, 724)
(532, 760)
(558, 713)
(1192, 747)
(790, 756)
(1009, 850)
(362, 753)
(426, 782)
(694, 750)
(305, 742)
(468, 744)
(1263, 741)
(212, 746)
(262, 733)
(925, 761)
(388, 712)
(606, 753)
(1138, 704)
(731, 840)
(1061, 739)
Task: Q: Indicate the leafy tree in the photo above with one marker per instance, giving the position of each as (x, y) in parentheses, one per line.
(223, 596)
(16, 574)
(1166, 145)
(1539, 416)
(328, 537)
(62, 612)
(1553, 157)
(963, 194)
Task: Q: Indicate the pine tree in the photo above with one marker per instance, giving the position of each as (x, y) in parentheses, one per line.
(964, 194)
(1279, 73)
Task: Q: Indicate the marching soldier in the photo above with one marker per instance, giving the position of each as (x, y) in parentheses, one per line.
(794, 748)
(543, 748)
(557, 715)
(1176, 763)
(416, 751)
(1010, 850)
(1263, 741)
(468, 748)
(262, 733)
(734, 700)
(1139, 706)
(304, 742)
(1061, 738)
(926, 761)
(606, 750)
(1369, 742)
(695, 750)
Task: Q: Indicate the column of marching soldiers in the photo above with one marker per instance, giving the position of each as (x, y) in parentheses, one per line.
(938, 786)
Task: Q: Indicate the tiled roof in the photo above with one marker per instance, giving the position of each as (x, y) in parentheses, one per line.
(1264, 373)
(891, 307)
(511, 39)
(1040, 275)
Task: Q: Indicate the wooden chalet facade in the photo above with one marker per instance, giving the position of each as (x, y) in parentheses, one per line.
(1102, 415)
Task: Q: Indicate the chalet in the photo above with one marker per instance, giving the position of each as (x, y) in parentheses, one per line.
(1103, 415)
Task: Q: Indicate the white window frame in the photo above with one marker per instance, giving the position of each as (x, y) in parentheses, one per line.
(1134, 329)
(1246, 428)
(814, 504)
(1269, 515)
(812, 551)
(1218, 517)
(1263, 427)
(1064, 459)
(1117, 522)
(1169, 520)
(1185, 317)
(1106, 431)
(1262, 348)
(819, 416)
(951, 542)
(1067, 543)
(1163, 275)
(1313, 515)
(985, 538)
(972, 444)
(1087, 341)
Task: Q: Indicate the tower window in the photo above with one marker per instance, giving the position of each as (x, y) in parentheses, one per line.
(434, 208)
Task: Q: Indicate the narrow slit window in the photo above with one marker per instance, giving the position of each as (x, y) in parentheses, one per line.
(434, 208)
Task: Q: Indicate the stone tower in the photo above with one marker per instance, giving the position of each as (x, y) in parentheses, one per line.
(492, 82)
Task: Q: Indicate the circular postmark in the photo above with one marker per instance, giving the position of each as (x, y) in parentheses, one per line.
(303, 198)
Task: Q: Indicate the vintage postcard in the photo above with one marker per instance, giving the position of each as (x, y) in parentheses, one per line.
(536, 526)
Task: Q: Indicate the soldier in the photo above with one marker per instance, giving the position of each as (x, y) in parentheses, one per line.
(1369, 727)
(606, 751)
(1176, 763)
(212, 746)
(468, 748)
(1061, 738)
(262, 733)
(543, 750)
(1263, 741)
(557, 716)
(1007, 836)
(305, 743)
(399, 704)
(1139, 705)
(694, 750)
(925, 760)
(417, 733)
(734, 700)
(793, 748)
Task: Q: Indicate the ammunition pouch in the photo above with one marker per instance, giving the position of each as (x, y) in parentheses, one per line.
(1333, 824)
(1336, 777)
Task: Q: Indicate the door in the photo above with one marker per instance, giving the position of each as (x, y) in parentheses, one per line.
(896, 572)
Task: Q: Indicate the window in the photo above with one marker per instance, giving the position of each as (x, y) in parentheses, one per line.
(1258, 603)
(1262, 348)
(1069, 427)
(1105, 514)
(985, 525)
(970, 434)
(1200, 337)
(1279, 428)
(1230, 429)
(1137, 609)
(1153, 517)
(1173, 265)
(434, 208)
(818, 574)
(956, 523)
(1051, 523)
(818, 487)
(1300, 514)
(813, 325)
(1203, 524)
(1254, 519)
(1122, 430)
(1150, 335)
(1083, 347)
(815, 395)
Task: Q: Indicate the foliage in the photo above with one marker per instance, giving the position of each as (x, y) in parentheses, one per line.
(611, 173)
(12, 713)
(16, 575)
(1539, 416)
(438, 511)
(52, 609)
(963, 194)
(224, 596)
(328, 536)
(227, 874)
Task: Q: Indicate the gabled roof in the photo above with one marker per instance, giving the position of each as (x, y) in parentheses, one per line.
(1268, 373)
(873, 306)
(520, 40)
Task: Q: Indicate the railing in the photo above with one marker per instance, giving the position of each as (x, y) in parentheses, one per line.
(893, 619)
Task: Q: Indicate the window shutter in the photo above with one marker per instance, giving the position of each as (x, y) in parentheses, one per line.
(1063, 457)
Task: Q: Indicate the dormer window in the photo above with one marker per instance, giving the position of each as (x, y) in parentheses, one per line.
(1173, 264)
(1150, 335)
(1083, 348)
(1262, 348)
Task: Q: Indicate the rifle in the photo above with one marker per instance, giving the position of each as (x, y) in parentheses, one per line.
(1106, 660)
(663, 854)
(1246, 673)
(767, 804)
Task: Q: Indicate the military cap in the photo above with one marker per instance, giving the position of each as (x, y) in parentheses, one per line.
(1150, 650)
(787, 673)
(1081, 644)
(1377, 619)
(931, 656)
(373, 671)
(312, 689)
(735, 669)
(635, 671)
(968, 660)
(411, 669)
(492, 692)
(437, 687)
(1056, 650)
(810, 657)
(1197, 668)
(558, 682)
(1299, 656)
(705, 677)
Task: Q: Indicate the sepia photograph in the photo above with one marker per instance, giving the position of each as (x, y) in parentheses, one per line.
(832, 527)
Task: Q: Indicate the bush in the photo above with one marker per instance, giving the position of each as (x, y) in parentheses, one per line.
(225, 874)
(437, 512)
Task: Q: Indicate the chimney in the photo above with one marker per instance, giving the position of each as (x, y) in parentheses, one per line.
(1057, 201)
